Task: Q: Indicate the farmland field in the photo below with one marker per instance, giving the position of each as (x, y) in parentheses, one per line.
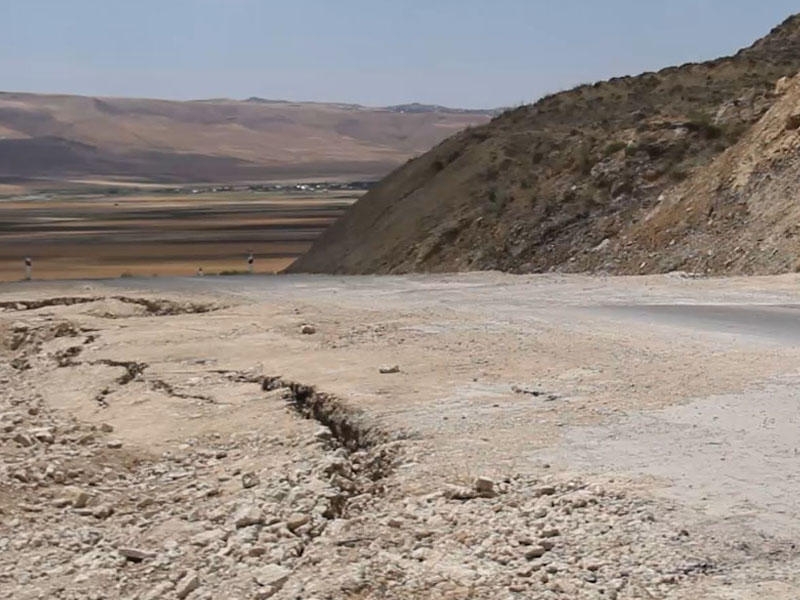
(152, 233)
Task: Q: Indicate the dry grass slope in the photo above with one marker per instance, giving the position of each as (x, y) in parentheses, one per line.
(551, 186)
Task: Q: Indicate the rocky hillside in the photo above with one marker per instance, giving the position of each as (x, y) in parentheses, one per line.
(559, 184)
(737, 216)
(59, 136)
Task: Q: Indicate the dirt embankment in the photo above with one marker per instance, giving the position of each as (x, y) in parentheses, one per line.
(554, 185)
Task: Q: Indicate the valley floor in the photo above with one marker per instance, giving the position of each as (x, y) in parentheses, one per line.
(465, 436)
(72, 235)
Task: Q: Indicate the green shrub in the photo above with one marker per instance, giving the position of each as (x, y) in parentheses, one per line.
(701, 123)
(613, 148)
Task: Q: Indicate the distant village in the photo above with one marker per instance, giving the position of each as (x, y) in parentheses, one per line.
(323, 186)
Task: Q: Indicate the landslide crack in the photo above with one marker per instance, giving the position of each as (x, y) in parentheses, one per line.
(370, 449)
(155, 307)
(132, 368)
(161, 308)
(163, 386)
(20, 305)
(348, 425)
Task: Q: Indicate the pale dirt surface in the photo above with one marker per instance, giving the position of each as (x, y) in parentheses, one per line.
(640, 446)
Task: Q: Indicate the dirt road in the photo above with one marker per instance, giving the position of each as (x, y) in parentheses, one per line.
(660, 411)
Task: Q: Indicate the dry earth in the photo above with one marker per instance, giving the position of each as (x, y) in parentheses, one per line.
(542, 437)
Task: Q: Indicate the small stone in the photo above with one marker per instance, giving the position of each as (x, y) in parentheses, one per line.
(106, 428)
(548, 544)
(23, 440)
(544, 490)
(80, 499)
(550, 533)
(145, 503)
(257, 551)
(135, 554)
(204, 538)
(484, 486)
(323, 433)
(456, 492)
(20, 476)
(250, 480)
(535, 552)
(247, 516)
(525, 540)
(114, 444)
(271, 575)
(187, 585)
(388, 370)
(296, 521)
(103, 511)
(308, 330)
(44, 435)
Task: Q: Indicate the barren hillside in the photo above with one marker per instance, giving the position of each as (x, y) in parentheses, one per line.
(212, 140)
(738, 215)
(557, 184)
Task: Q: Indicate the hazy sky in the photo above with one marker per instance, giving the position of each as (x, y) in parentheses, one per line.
(470, 53)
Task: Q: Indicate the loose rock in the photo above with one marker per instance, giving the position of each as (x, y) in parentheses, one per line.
(187, 585)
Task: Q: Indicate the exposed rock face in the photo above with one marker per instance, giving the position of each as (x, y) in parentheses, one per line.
(737, 216)
(541, 187)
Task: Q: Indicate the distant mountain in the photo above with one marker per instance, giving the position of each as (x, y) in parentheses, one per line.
(62, 136)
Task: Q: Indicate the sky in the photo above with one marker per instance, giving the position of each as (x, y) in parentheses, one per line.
(462, 53)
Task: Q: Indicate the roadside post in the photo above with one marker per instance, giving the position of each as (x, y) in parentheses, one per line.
(250, 261)
(28, 268)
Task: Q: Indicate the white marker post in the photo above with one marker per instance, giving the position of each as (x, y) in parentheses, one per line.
(28, 268)
(250, 261)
